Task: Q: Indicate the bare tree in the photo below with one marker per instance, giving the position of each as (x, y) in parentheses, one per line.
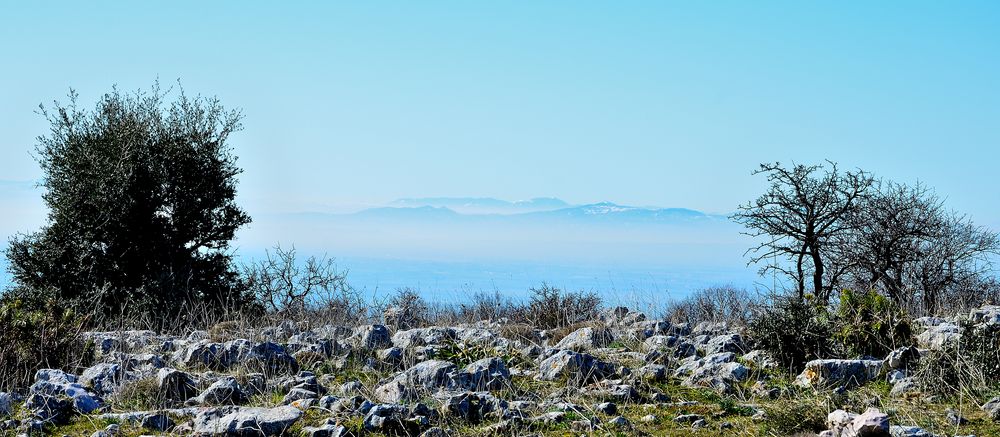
(904, 243)
(802, 212)
(956, 259)
(889, 232)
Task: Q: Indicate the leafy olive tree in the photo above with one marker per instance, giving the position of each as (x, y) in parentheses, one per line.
(141, 198)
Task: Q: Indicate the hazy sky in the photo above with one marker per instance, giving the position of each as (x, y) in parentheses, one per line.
(648, 103)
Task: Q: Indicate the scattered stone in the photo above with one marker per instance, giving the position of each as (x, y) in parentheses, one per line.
(902, 358)
(908, 431)
(724, 343)
(992, 408)
(904, 386)
(717, 371)
(225, 391)
(474, 407)
(653, 373)
(871, 423)
(326, 430)
(103, 378)
(608, 408)
(157, 422)
(759, 359)
(6, 405)
(986, 315)
(175, 385)
(954, 418)
(618, 422)
(56, 383)
(486, 374)
(688, 418)
(298, 394)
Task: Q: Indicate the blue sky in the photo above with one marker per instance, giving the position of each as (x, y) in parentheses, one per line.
(648, 103)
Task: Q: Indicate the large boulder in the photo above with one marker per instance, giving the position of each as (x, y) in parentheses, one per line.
(225, 391)
(473, 407)
(992, 409)
(434, 335)
(585, 339)
(938, 336)
(575, 367)
(850, 373)
(424, 376)
(102, 378)
(370, 337)
(486, 374)
(396, 419)
(871, 423)
(987, 314)
(718, 371)
(246, 421)
(6, 405)
(174, 385)
(724, 343)
(51, 382)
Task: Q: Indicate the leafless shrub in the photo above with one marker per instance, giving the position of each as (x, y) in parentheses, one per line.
(286, 287)
(724, 303)
(407, 309)
(550, 307)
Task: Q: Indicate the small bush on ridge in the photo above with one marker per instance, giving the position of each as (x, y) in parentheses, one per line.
(551, 307)
(38, 331)
(793, 331)
(869, 324)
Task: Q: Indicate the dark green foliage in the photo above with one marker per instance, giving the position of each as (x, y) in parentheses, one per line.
(551, 307)
(793, 331)
(38, 332)
(869, 324)
(141, 198)
(796, 417)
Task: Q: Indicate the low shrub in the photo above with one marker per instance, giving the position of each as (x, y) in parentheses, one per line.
(796, 418)
(969, 366)
(552, 307)
(406, 310)
(869, 324)
(490, 306)
(38, 332)
(714, 304)
(793, 331)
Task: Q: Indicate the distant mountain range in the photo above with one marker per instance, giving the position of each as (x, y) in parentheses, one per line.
(482, 205)
(539, 210)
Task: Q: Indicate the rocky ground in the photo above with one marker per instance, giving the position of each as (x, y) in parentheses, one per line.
(621, 375)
